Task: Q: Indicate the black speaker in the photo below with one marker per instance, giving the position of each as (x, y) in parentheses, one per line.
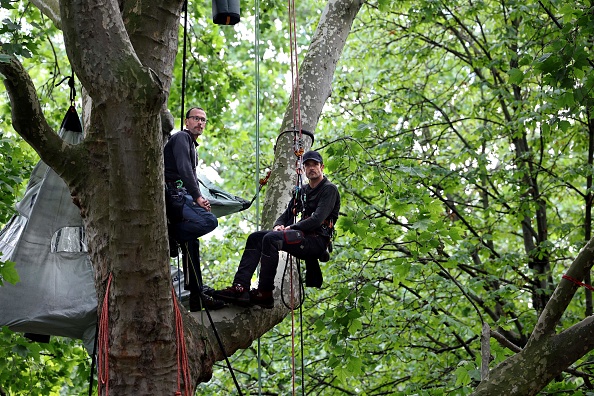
(225, 12)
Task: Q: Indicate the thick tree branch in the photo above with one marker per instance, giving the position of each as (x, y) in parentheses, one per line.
(153, 29)
(563, 294)
(96, 27)
(28, 119)
(51, 9)
(573, 343)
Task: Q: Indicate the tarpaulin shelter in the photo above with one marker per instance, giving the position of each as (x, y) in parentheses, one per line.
(46, 240)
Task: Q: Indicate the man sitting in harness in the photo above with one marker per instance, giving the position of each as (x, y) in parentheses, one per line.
(307, 239)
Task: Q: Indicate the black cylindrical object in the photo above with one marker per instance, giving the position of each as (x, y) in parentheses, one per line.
(225, 12)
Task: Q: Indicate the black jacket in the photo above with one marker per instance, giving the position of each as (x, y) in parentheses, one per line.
(318, 207)
(180, 161)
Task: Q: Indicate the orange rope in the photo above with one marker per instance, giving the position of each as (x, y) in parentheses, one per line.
(265, 179)
(182, 356)
(295, 86)
(103, 366)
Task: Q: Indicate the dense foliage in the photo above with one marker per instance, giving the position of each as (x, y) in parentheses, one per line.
(460, 135)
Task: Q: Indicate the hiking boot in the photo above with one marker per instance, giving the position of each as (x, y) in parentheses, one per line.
(199, 300)
(209, 291)
(262, 298)
(236, 294)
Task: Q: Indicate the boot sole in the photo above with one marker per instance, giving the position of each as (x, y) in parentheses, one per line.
(232, 300)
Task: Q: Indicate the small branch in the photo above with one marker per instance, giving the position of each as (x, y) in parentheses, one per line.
(505, 342)
(485, 351)
(51, 9)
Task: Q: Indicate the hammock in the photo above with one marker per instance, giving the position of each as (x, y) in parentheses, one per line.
(221, 202)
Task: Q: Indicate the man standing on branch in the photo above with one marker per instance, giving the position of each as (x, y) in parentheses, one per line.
(188, 212)
(318, 201)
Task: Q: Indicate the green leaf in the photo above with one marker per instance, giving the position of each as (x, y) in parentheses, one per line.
(8, 273)
(354, 366)
(355, 326)
(462, 376)
(516, 76)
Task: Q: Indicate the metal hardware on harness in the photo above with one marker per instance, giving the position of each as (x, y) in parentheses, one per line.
(299, 146)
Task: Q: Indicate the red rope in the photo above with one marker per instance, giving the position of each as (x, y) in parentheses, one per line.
(296, 198)
(295, 89)
(577, 282)
(103, 365)
(182, 356)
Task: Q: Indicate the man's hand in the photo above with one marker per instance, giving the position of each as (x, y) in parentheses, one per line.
(203, 202)
(280, 228)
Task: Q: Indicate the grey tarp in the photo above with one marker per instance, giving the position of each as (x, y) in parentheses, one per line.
(56, 293)
(221, 203)
(46, 240)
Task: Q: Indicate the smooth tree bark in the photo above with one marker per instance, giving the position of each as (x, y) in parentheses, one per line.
(123, 53)
(547, 353)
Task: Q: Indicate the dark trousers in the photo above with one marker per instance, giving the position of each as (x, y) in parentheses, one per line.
(191, 264)
(196, 222)
(263, 247)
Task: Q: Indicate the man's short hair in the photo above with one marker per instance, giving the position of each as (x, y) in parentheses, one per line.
(193, 108)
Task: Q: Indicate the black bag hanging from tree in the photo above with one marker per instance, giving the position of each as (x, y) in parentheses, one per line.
(225, 12)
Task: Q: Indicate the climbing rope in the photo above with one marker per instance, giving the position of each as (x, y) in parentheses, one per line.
(191, 268)
(261, 182)
(195, 270)
(298, 149)
(183, 84)
(183, 369)
(295, 86)
(103, 366)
